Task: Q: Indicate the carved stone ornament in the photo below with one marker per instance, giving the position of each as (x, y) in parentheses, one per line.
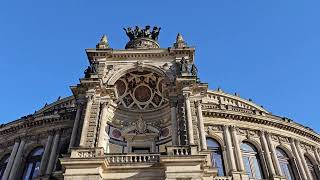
(142, 38)
(213, 129)
(141, 125)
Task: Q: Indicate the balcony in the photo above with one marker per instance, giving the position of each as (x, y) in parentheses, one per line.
(222, 178)
(132, 158)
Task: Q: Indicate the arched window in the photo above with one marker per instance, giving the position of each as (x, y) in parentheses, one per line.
(3, 164)
(251, 161)
(33, 164)
(311, 168)
(285, 164)
(216, 155)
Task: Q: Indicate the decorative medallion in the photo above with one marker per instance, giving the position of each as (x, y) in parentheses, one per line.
(140, 90)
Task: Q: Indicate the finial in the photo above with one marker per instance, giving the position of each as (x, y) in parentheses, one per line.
(179, 38)
(219, 89)
(103, 44)
(179, 42)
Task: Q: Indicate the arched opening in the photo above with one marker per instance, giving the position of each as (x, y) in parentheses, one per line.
(32, 167)
(216, 155)
(251, 161)
(311, 168)
(3, 164)
(285, 164)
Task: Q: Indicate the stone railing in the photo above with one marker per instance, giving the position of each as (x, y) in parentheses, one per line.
(222, 178)
(87, 152)
(181, 150)
(132, 158)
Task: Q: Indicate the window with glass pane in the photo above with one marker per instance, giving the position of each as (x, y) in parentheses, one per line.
(33, 164)
(3, 164)
(216, 156)
(251, 161)
(285, 164)
(311, 168)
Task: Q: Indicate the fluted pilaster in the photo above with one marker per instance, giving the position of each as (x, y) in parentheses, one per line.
(201, 127)
(174, 123)
(103, 139)
(76, 125)
(86, 122)
(189, 118)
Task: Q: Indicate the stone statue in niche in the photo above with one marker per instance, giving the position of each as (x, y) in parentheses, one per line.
(184, 67)
(141, 125)
(194, 70)
(90, 70)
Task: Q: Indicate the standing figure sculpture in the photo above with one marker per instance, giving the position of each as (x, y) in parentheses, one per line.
(129, 33)
(146, 32)
(155, 33)
(194, 70)
(184, 66)
(138, 33)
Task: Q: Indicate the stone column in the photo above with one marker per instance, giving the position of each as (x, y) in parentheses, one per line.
(232, 163)
(103, 139)
(297, 156)
(273, 155)
(266, 150)
(303, 159)
(85, 122)
(316, 153)
(174, 123)
(17, 161)
(11, 160)
(189, 119)
(76, 125)
(201, 127)
(53, 154)
(237, 149)
(46, 153)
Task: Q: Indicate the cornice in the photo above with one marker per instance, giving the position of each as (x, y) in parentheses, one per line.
(265, 119)
(247, 103)
(33, 122)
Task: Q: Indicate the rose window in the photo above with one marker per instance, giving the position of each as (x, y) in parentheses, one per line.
(140, 90)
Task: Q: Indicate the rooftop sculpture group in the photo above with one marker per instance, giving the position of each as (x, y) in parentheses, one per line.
(142, 33)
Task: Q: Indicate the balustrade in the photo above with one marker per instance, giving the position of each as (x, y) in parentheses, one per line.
(132, 158)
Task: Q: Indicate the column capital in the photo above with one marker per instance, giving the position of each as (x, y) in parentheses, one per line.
(233, 127)
(263, 133)
(50, 132)
(103, 104)
(198, 103)
(225, 126)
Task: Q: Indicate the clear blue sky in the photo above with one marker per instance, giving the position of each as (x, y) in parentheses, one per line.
(264, 50)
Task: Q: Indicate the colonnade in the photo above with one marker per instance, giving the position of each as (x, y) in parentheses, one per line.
(233, 150)
(48, 160)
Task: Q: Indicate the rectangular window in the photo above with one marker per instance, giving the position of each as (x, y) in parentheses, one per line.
(140, 149)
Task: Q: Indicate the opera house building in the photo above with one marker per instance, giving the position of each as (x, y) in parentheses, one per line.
(143, 113)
